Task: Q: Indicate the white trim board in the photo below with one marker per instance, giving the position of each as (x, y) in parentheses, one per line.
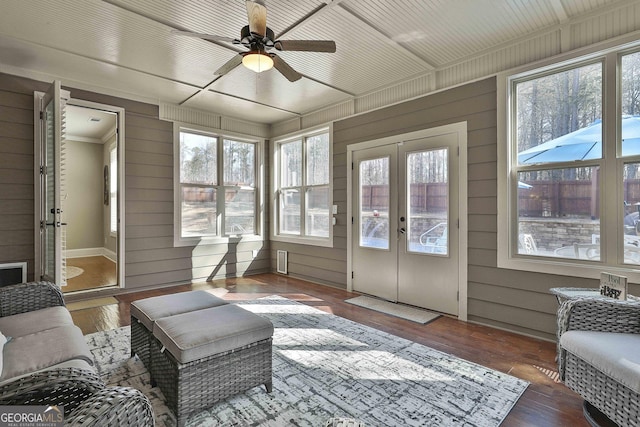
(87, 252)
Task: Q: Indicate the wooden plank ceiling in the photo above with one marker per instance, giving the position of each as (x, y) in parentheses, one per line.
(127, 48)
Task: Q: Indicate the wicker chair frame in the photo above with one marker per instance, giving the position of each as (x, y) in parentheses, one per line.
(619, 403)
(25, 297)
(87, 401)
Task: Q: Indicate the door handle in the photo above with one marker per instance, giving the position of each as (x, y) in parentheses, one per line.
(402, 230)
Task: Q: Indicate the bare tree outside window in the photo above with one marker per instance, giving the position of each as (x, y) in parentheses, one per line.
(304, 186)
(561, 155)
(202, 163)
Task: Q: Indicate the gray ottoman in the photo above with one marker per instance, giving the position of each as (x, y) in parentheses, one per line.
(145, 312)
(204, 356)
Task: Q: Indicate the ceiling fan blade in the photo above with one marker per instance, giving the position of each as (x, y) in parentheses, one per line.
(257, 14)
(306, 45)
(286, 70)
(230, 65)
(204, 36)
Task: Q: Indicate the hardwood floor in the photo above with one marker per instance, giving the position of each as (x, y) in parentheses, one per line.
(544, 403)
(98, 272)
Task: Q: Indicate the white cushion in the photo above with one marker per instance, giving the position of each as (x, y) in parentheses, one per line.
(31, 322)
(3, 341)
(149, 310)
(198, 334)
(615, 355)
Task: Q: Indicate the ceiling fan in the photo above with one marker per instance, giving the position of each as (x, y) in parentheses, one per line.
(259, 39)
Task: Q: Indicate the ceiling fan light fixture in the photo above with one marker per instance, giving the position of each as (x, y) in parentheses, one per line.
(257, 61)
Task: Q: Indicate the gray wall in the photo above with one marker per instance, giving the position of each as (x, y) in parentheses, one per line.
(150, 258)
(514, 300)
(83, 198)
(16, 170)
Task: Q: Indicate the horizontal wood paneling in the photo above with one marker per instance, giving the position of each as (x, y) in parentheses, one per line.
(151, 258)
(16, 172)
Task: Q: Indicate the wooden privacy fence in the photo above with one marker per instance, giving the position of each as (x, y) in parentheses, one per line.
(424, 197)
(557, 199)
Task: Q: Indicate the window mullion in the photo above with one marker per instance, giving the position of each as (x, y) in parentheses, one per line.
(611, 202)
(220, 205)
(303, 189)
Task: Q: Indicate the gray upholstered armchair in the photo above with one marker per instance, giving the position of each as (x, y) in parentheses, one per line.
(599, 355)
(46, 361)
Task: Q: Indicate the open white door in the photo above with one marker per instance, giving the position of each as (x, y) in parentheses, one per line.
(51, 265)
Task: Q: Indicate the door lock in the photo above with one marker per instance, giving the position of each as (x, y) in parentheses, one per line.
(402, 230)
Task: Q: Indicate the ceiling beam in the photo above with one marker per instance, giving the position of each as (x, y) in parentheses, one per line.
(385, 38)
(318, 11)
(164, 22)
(207, 88)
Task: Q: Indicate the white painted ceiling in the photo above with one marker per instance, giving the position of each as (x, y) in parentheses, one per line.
(88, 124)
(126, 47)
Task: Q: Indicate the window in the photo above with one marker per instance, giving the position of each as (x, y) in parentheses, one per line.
(113, 190)
(573, 158)
(218, 190)
(302, 197)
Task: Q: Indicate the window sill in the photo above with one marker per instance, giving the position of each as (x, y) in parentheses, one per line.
(587, 270)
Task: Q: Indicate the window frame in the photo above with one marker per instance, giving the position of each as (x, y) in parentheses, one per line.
(113, 190)
(220, 187)
(302, 238)
(611, 202)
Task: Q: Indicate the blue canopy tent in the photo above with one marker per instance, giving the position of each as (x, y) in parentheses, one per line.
(583, 144)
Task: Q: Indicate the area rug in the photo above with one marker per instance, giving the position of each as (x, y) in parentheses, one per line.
(73, 271)
(326, 366)
(398, 310)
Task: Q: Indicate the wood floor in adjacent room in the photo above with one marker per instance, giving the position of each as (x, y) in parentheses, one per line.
(544, 403)
(97, 272)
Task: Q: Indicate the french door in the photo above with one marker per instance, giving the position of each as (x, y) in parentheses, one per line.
(405, 229)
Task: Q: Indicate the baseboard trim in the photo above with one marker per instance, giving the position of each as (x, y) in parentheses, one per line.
(86, 252)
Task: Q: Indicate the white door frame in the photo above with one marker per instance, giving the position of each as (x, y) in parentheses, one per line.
(120, 138)
(461, 130)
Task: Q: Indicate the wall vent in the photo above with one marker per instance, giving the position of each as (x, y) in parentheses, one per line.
(281, 263)
(13, 273)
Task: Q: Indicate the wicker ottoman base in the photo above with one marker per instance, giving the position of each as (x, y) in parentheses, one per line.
(140, 339)
(197, 385)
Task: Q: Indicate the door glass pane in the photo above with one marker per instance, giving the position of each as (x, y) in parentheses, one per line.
(558, 213)
(428, 201)
(631, 188)
(317, 215)
(374, 203)
(290, 212)
(291, 162)
(199, 216)
(240, 211)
